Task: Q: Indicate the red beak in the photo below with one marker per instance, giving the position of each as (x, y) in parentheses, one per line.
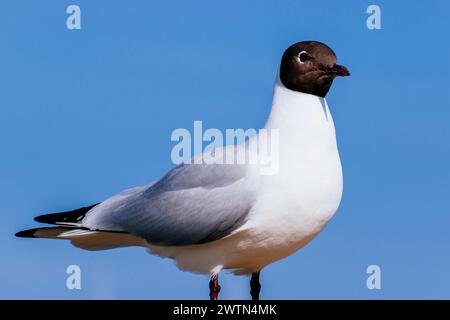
(339, 71)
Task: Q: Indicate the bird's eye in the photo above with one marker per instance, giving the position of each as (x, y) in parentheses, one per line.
(303, 56)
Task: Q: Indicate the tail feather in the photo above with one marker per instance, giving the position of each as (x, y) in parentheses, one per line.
(85, 238)
(69, 227)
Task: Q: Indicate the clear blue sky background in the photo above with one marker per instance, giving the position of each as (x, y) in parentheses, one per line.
(85, 114)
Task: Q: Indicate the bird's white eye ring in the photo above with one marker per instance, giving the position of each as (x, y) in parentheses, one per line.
(303, 56)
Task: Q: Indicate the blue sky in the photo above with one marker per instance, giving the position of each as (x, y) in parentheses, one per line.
(87, 113)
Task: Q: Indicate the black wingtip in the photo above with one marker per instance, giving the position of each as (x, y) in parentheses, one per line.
(66, 216)
(26, 233)
(43, 219)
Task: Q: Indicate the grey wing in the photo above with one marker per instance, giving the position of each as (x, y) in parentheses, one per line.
(191, 204)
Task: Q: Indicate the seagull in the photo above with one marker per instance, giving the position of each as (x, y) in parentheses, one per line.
(210, 217)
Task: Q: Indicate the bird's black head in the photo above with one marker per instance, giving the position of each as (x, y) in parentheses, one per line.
(310, 67)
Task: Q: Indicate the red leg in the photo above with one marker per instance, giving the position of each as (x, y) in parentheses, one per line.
(214, 287)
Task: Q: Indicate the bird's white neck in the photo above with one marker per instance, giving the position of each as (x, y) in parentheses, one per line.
(305, 126)
(301, 116)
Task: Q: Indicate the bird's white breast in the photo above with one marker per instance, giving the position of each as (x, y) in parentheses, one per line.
(295, 203)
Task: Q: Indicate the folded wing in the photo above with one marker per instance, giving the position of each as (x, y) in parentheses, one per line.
(191, 204)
